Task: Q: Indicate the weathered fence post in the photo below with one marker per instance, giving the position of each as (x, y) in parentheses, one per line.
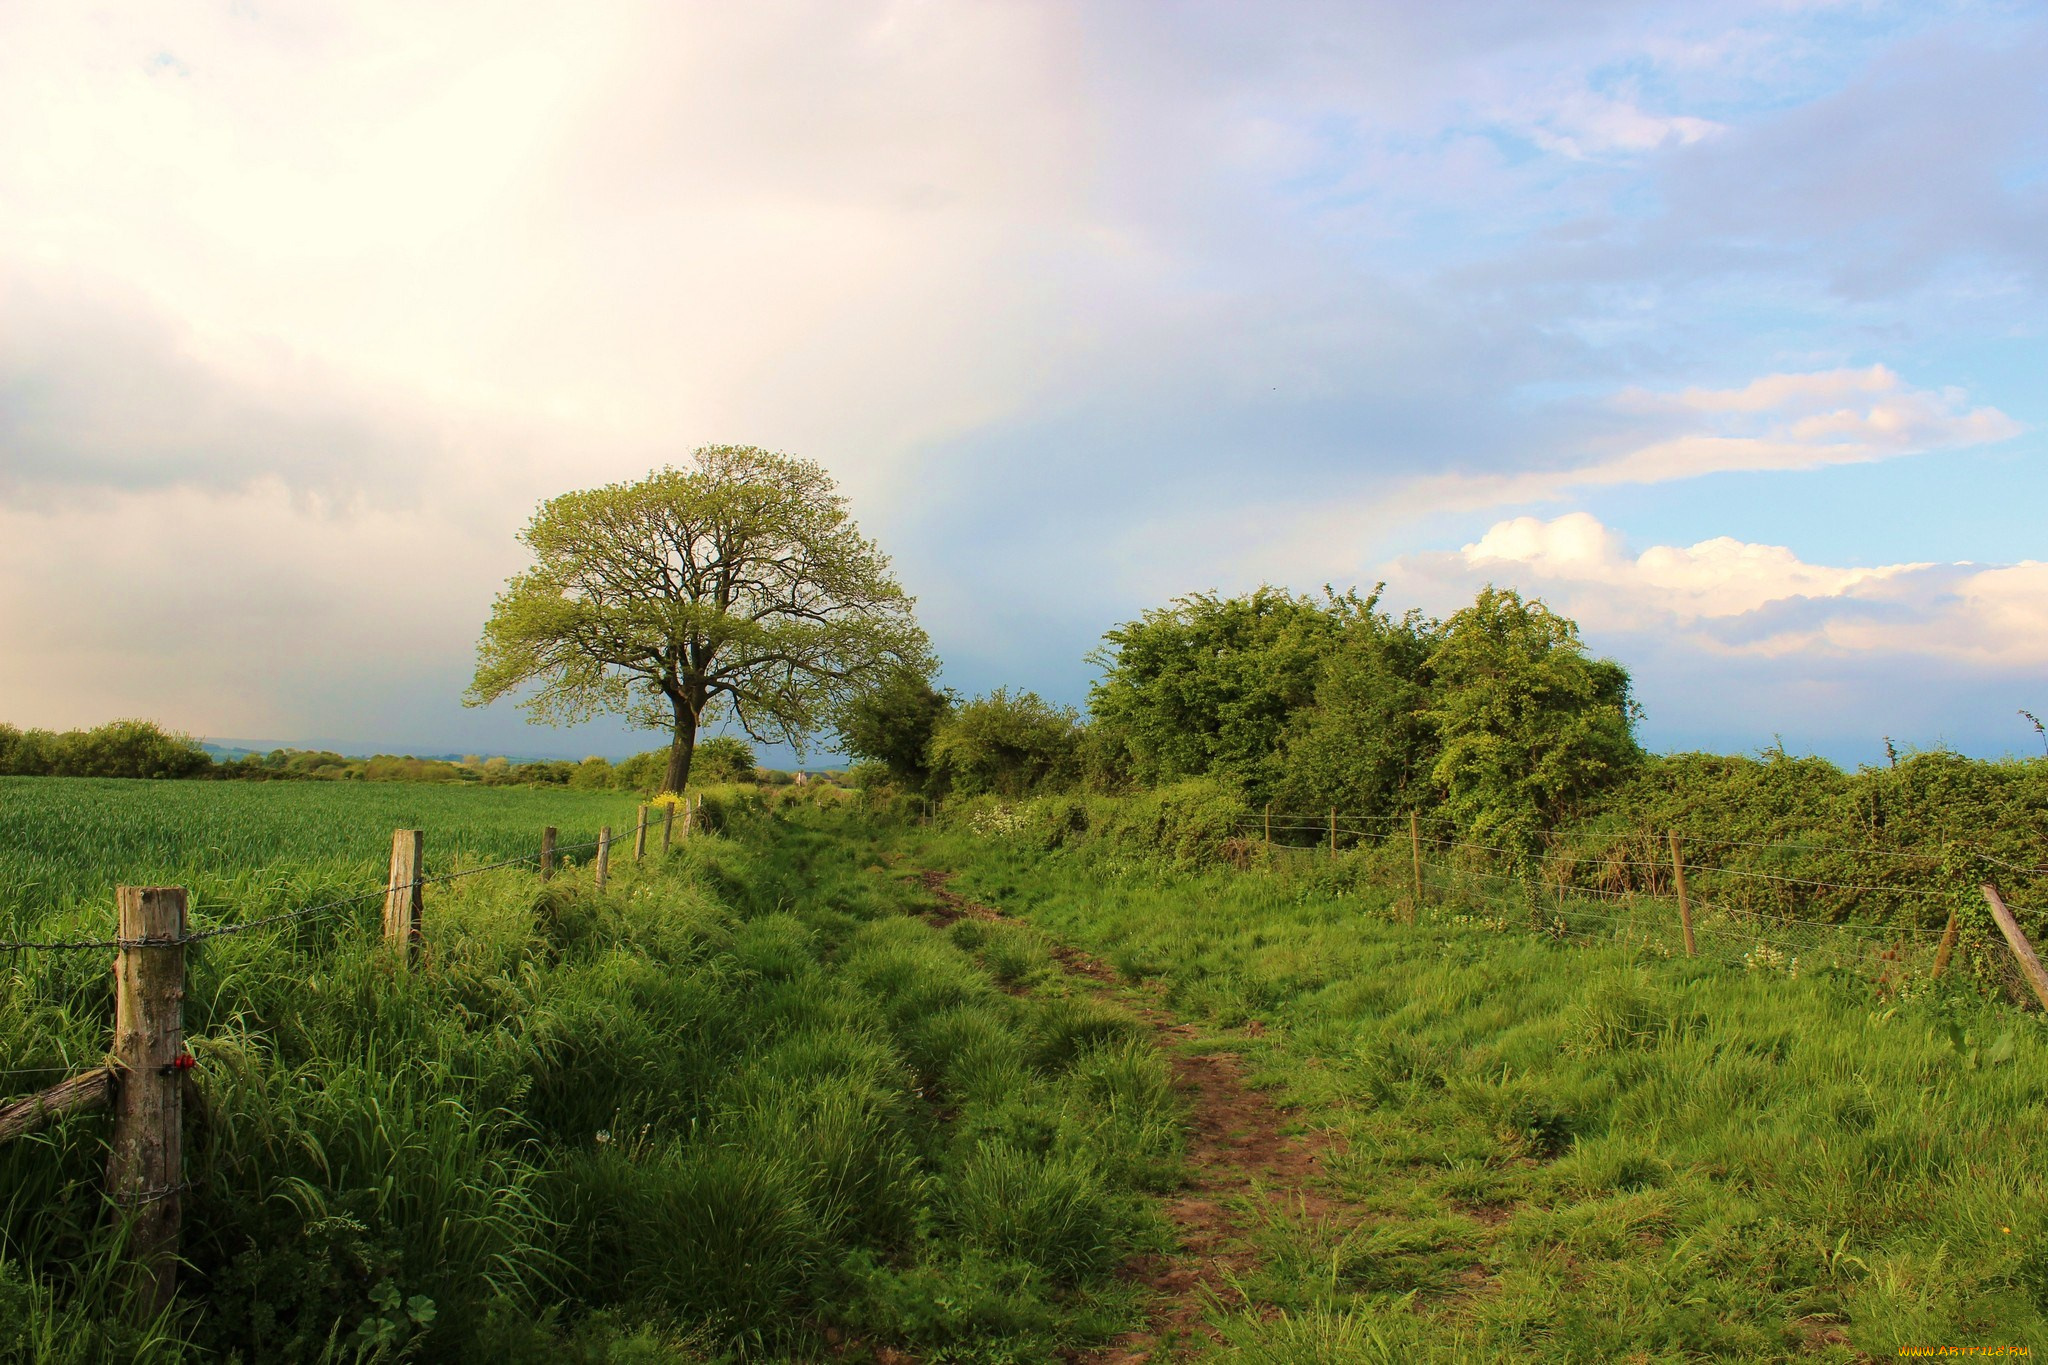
(604, 855)
(1684, 905)
(640, 836)
(1948, 941)
(2030, 965)
(405, 892)
(1269, 831)
(146, 1161)
(1415, 855)
(547, 852)
(668, 825)
(1333, 834)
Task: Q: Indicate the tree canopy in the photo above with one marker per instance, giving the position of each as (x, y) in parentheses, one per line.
(736, 586)
(1527, 724)
(1206, 685)
(1012, 744)
(893, 723)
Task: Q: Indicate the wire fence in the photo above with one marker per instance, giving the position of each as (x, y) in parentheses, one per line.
(284, 917)
(1752, 902)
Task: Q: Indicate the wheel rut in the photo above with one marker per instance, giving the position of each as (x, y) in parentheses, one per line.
(1239, 1161)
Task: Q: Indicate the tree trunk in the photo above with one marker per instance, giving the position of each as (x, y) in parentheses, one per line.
(680, 750)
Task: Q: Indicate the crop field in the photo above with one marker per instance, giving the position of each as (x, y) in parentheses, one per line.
(247, 848)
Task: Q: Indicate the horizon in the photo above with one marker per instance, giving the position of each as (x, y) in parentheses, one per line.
(1717, 328)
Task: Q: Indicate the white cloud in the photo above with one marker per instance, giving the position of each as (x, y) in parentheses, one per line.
(1587, 124)
(1779, 422)
(1731, 597)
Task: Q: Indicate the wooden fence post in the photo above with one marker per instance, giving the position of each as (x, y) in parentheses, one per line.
(405, 892)
(668, 825)
(1269, 831)
(1684, 905)
(604, 855)
(146, 1160)
(2030, 965)
(1948, 942)
(1333, 834)
(640, 837)
(1415, 854)
(547, 852)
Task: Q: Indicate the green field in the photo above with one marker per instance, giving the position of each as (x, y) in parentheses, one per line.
(249, 848)
(745, 1102)
(749, 1103)
(1556, 1150)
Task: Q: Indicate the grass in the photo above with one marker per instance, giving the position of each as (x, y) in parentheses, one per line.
(1561, 1151)
(243, 848)
(746, 1103)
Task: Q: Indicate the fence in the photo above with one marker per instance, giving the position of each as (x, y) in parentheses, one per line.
(147, 1074)
(1644, 888)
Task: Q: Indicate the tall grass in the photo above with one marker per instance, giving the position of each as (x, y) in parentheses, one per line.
(1562, 1151)
(717, 1110)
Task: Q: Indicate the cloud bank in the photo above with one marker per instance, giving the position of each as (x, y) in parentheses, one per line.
(301, 314)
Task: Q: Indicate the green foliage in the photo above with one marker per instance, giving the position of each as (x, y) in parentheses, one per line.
(893, 723)
(724, 758)
(1008, 744)
(593, 774)
(1529, 728)
(122, 748)
(737, 586)
(1207, 685)
(642, 772)
(1366, 744)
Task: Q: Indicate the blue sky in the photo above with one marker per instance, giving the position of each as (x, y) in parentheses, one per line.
(1717, 326)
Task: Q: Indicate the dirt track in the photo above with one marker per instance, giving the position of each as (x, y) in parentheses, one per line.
(1238, 1158)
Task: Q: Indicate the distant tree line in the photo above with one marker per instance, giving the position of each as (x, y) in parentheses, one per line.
(144, 749)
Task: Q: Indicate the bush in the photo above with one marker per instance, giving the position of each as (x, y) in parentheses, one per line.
(122, 748)
(1009, 745)
(722, 758)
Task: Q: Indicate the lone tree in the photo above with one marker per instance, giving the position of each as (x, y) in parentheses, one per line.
(737, 584)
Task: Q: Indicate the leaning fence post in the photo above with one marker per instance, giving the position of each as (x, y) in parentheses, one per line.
(668, 825)
(547, 852)
(604, 855)
(2030, 965)
(1415, 854)
(146, 1161)
(404, 893)
(640, 836)
(1684, 905)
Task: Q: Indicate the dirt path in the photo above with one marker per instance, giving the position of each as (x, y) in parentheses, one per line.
(1236, 1153)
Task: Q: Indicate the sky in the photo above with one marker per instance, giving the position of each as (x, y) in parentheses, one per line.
(1719, 327)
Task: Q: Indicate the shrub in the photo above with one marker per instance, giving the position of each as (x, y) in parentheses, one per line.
(722, 758)
(1009, 745)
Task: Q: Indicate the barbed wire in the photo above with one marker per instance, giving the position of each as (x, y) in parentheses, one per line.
(1292, 822)
(1712, 869)
(247, 926)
